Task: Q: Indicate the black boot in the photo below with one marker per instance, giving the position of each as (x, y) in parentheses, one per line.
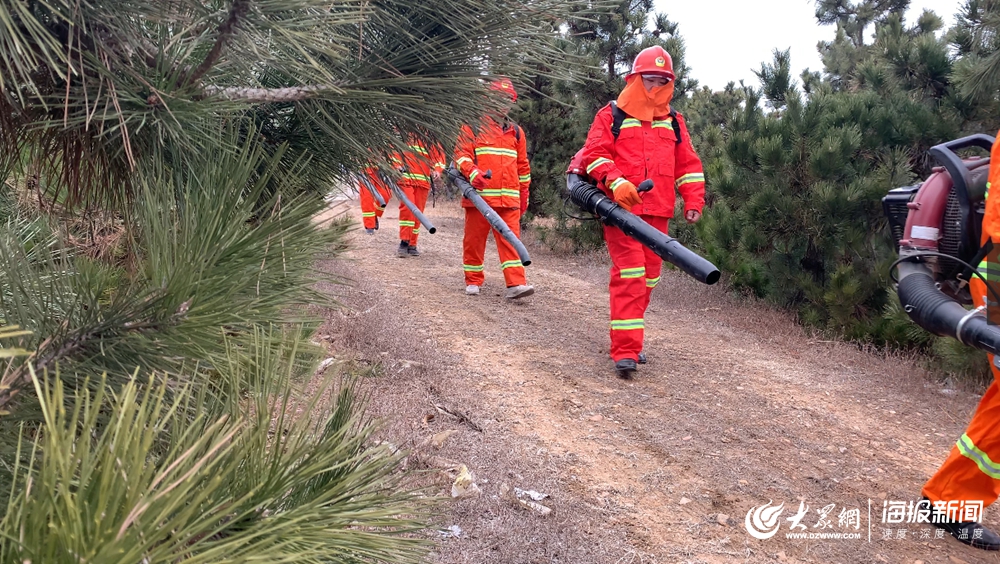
(625, 367)
(642, 357)
(414, 252)
(969, 532)
(404, 249)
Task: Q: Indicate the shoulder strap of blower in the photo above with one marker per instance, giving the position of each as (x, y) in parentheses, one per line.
(619, 116)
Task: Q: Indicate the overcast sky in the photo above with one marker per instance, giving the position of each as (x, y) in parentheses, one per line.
(729, 39)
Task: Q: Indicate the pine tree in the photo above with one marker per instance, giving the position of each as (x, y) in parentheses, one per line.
(163, 163)
(797, 216)
(975, 37)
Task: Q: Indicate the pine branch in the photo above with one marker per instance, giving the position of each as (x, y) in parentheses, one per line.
(226, 30)
(20, 378)
(267, 95)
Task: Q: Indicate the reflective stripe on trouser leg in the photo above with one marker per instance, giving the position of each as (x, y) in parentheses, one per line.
(420, 200)
(369, 207)
(628, 294)
(406, 219)
(972, 469)
(654, 264)
(474, 246)
(510, 261)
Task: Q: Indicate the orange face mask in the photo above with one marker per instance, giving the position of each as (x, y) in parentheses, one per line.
(645, 105)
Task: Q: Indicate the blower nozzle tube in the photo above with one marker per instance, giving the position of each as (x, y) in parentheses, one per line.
(372, 190)
(935, 312)
(590, 199)
(410, 205)
(491, 216)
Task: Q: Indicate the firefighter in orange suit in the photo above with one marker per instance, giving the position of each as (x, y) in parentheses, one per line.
(371, 211)
(500, 148)
(652, 143)
(969, 479)
(419, 164)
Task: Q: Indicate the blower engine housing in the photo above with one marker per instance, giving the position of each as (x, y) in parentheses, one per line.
(944, 214)
(943, 226)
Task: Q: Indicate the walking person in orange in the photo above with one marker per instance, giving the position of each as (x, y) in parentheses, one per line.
(419, 164)
(500, 148)
(371, 211)
(969, 479)
(636, 138)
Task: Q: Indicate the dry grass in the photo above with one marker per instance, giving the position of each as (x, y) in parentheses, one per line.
(95, 233)
(769, 322)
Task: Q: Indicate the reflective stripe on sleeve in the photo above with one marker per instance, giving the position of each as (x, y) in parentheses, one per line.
(617, 183)
(691, 177)
(597, 162)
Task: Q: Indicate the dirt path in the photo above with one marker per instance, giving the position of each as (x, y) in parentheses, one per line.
(737, 407)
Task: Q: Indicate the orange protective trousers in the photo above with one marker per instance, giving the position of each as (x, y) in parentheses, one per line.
(409, 227)
(972, 470)
(477, 229)
(635, 271)
(370, 210)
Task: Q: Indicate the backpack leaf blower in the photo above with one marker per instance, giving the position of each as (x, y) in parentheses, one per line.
(936, 227)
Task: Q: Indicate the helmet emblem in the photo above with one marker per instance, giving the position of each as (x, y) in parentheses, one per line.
(660, 61)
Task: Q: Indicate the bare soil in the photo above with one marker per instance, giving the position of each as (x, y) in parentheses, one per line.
(737, 407)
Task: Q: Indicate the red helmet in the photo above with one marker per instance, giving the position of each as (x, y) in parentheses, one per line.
(504, 85)
(653, 60)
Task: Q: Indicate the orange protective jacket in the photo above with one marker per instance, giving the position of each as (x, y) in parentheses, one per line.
(418, 162)
(503, 150)
(645, 150)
